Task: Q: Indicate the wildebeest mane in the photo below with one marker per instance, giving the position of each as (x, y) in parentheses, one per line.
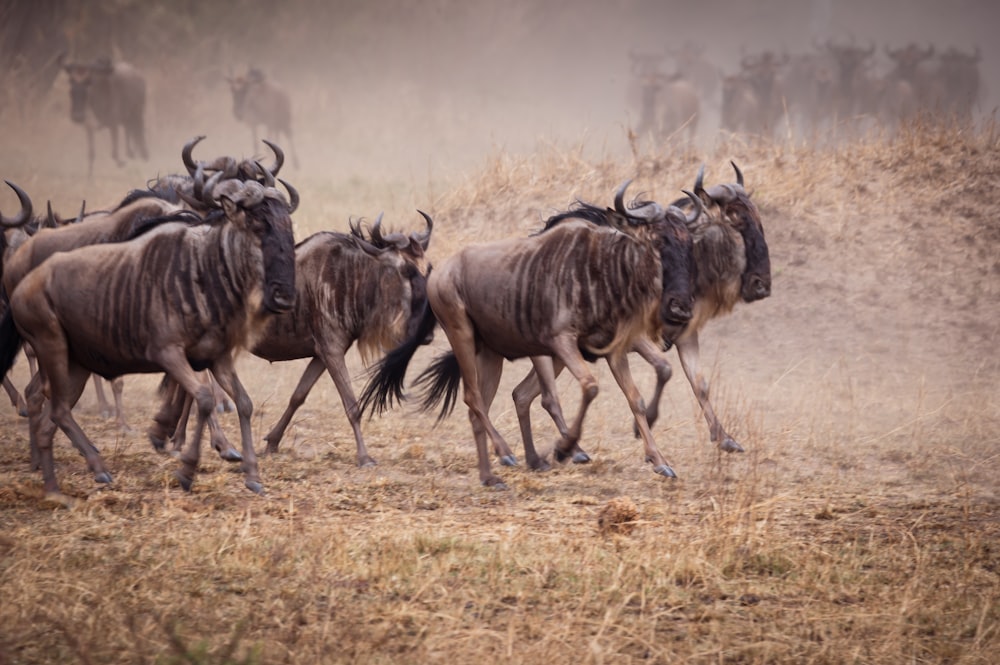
(142, 226)
(596, 215)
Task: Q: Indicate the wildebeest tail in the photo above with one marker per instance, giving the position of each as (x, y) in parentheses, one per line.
(10, 342)
(442, 379)
(387, 375)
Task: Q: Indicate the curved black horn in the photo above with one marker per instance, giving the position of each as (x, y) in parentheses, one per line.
(376, 229)
(186, 154)
(425, 238)
(739, 174)
(22, 217)
(50, 218)
(699, 208)
(206, 195)
(620, 197)
(279, 157)
(293, 197)
(83, 212)
(268, 176)
(699, 181)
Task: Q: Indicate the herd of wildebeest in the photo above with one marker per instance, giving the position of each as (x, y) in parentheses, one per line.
(189, 269)
(835, 86)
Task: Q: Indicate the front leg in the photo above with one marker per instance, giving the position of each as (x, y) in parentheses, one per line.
(623, 375)
(687, 350)
(225, 374)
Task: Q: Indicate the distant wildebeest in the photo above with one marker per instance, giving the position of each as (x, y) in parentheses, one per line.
(731, 264)
(668, 104)
(581, 290)
(753, 100)
(259, 101)
(98, 309)
(112, 95)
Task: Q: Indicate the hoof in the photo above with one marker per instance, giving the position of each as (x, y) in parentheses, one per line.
(560, 456)
(367, 463)
(508, 460)
(730, 446)
(580, 457)
(102, 477)
(665, 471)
(255, 486)
(184, 481)
(159, 445)
(231, 455)
(541, 465)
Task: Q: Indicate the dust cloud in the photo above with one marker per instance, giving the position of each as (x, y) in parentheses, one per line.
(419, 91)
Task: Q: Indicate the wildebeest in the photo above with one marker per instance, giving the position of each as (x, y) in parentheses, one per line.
(257, 100)
(667, 104)
(10, 225)
(731, 264)
(179, 298)
(112, 95)
(581, 290)
(752, 100)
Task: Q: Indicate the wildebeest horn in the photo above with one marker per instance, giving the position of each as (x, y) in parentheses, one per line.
(83, 212)
(425, 238)
(268, 176)
(186, 154)
(699, 181)
(50, 218)
(293, 196)
(739, 174)
(620, 197)
(279, 157)
(22, 217)
(207, 193)
(699, 208)
(376, 230)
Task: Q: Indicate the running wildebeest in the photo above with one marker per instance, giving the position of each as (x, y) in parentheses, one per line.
(112, 95)
(372, 291)
(95, 309)
(579, 291)
(731, 264)
(259, 101)
(12, 225)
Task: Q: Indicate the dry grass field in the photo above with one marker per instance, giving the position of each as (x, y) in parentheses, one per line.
(861, 525)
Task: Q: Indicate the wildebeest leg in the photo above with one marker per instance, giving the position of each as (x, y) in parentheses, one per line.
(16, 400)
(333, 357)
(654, 356)
(291, 146)
(102, 400)
(314, 370)
(66, 381)
(114, 145)
(542, 381)
(117, 388)
(565, 349)
(687, 350)
(35, 399)
(29, 353)
(623, 375)
(90, 150)
(488, 367)
(225, 374)
(165, 421)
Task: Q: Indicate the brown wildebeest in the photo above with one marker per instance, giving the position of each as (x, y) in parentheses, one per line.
(112, 95)
(259, 101)
(11, 225)
(731, 264)
(97, 309)
(372, 291)
(581, 290)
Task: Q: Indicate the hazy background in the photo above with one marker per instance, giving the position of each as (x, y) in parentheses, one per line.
(417, 90)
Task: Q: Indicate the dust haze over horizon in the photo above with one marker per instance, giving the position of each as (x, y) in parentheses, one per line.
(423, 90)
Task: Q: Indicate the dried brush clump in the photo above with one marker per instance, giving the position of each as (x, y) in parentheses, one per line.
(618, 516)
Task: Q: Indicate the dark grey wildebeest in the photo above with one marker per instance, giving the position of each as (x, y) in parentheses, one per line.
(576, 292)
(179, 298)
(8, 227)
(731, 265)
(112, 95)
(351, 289)
(258, 101)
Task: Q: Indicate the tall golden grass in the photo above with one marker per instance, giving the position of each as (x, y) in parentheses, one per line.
(861, 525)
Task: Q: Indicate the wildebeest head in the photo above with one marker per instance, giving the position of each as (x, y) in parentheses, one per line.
(731, 205)
(415, 267)
(262, 211)
(82, 79)
(673, 241)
